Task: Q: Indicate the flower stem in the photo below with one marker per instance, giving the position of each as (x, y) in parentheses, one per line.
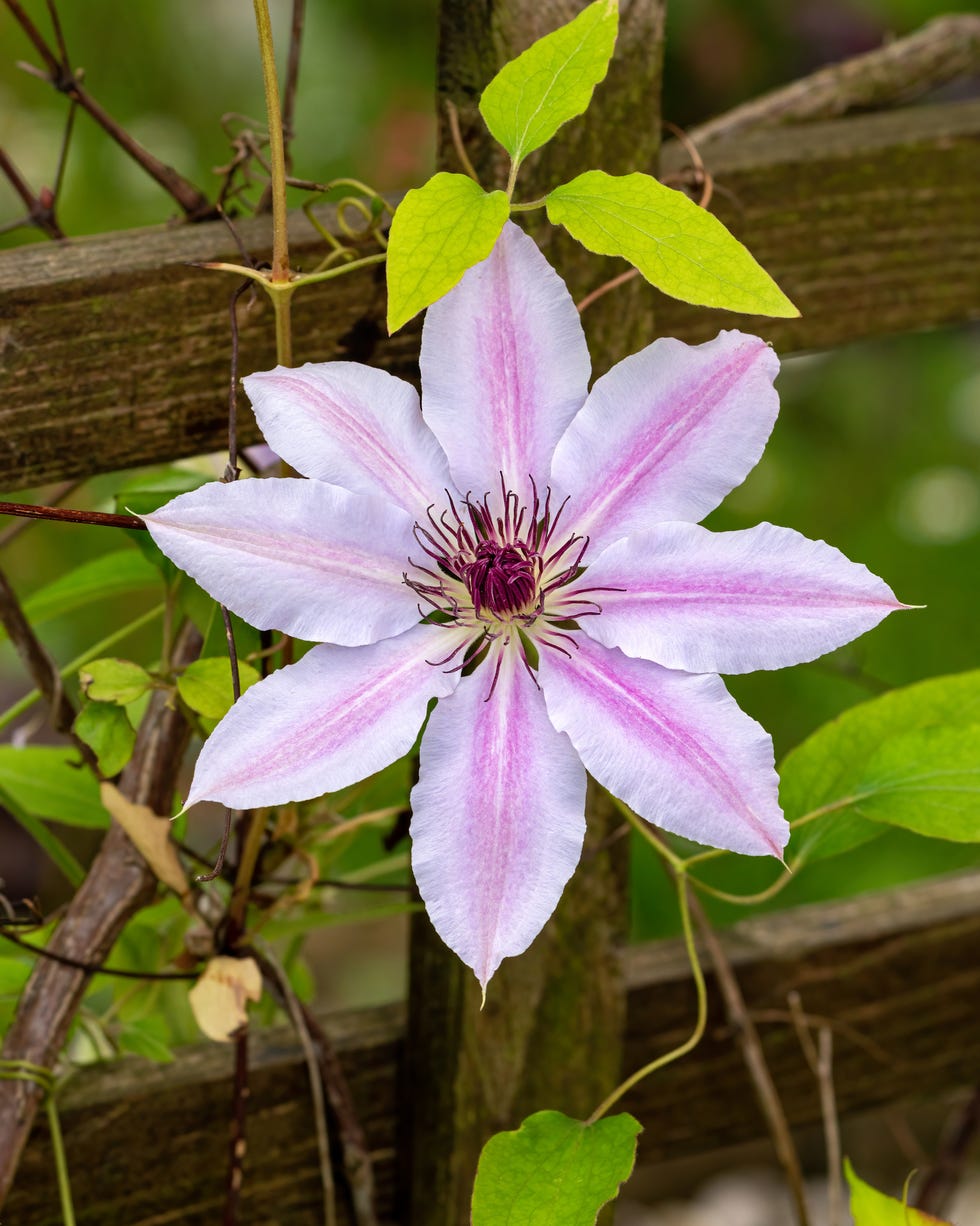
(528, 205)
(512, 178)
(277, 148)
(282, 302)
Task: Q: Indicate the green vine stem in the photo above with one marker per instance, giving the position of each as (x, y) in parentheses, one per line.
(277, 148)
(702, 1016)
(23, 1070)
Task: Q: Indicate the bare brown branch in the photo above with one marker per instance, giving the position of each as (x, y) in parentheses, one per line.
(192, 201)
(900, 71)
(40, 208)
(755, 1061)
(118, 884)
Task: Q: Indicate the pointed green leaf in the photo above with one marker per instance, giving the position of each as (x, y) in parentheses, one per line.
(679, 247)
(113, 574)
(841, 767)
(205, 685)
(553, 1169)
(114, 680)
(927, 781)
(439, 230)
(106, 729)
(869, 1207)
(48, 783)
(551, 82)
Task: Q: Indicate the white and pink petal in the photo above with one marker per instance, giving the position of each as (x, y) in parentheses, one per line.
(505, 367)
(335, 717)
(498, 816)
(300, 556)
(731, 602)
(674, 746)
(354, 426)
(666, 434)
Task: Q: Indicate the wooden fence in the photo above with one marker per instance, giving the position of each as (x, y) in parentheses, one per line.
(113, 352)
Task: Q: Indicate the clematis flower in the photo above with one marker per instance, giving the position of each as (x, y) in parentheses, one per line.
(525, 551)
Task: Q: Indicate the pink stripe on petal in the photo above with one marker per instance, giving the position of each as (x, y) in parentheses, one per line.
(731, 602)
(354, 426)
(504, 368)
(337, 716)
(498, 816)
(674, 746)
(666, 434)
(300, 556)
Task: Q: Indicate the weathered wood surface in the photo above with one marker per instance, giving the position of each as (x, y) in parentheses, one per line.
(895, 973)
(114, 351)
(552, 1031)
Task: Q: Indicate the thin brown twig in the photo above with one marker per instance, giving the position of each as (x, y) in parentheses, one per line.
(194, 203)
(842, 1028)
(452, 115)
(58, 32)
(820, 1057)
(12, 531)
(296, 26)
(40, 211)
(606, 286)
(281, 989)
(905, 68)
(238, 1141)
(755, 1062)
(91, 968)
(71, 515)
(947, 1168)
(59, 174)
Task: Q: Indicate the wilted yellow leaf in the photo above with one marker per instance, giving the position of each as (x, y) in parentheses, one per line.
(219, 997)
(151, 836)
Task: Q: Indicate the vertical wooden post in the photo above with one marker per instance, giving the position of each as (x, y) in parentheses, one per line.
(550, 1034)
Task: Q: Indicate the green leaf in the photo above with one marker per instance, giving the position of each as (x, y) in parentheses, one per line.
(114, 574)
(14, 973)
(439, 231)
(551, 82)
(553, 1169)
(205, 685)
(44, 781)
(47, 840)
(143, 1038)
(148, 492)
(926, 781)
(841, 766)
(679, 247)
(106, 729)
(869, 1207)
(114, 680)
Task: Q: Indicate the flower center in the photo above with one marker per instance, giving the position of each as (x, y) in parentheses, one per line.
(497, 567)
(502, 580)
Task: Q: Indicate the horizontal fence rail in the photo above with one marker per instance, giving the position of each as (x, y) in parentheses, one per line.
(894, 973)
(114, 350)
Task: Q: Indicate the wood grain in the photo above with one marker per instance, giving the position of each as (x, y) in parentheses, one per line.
(895, 973)
(114, 350)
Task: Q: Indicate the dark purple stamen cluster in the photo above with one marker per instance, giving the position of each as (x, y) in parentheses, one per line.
(494, 568)
(502, 579)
